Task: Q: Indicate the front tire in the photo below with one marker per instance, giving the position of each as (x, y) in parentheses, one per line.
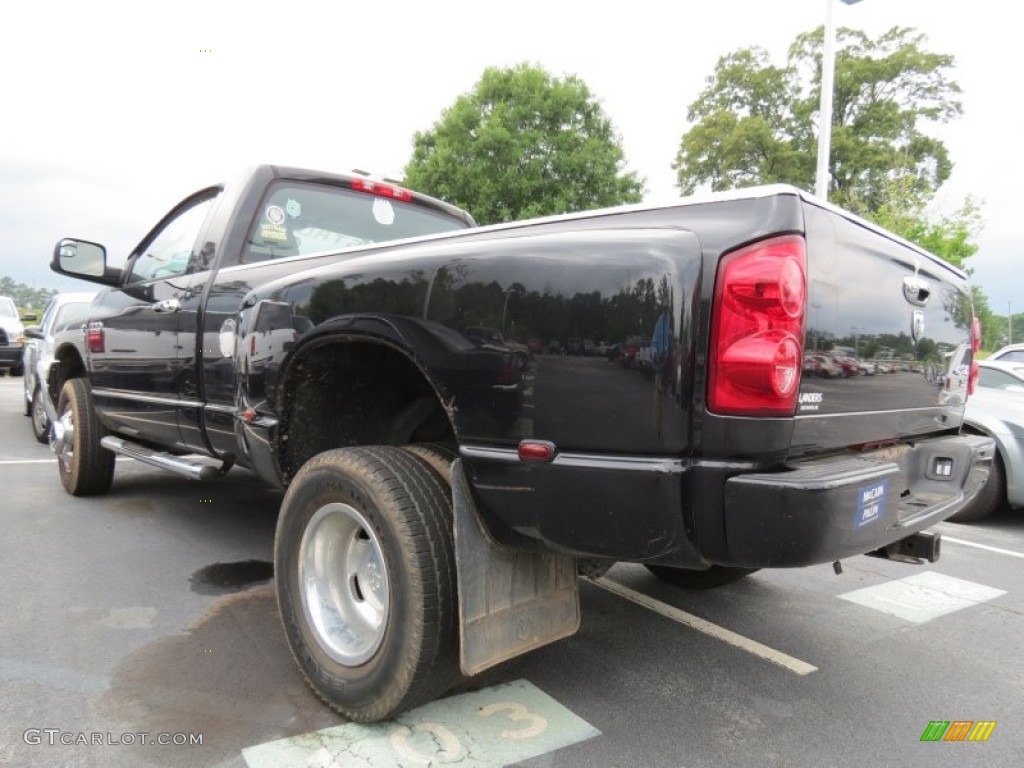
(86, 468)
(991, 498)
(365, 566)
(715, 576)
(40, 421)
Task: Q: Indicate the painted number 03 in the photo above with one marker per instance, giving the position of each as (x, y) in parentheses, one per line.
(448, 747)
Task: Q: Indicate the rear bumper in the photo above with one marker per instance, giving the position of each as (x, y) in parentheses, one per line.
(824, 510)
(10, 356)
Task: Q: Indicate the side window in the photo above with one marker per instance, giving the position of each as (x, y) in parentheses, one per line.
(1014, 356)
(168, 252)
(996, 379)
(46, 320)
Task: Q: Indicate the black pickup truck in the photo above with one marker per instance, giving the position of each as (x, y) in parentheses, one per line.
(445, 487)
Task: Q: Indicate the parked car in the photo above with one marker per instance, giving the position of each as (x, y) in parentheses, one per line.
(847, 366)
(12, 337)
(60, 324)
(997, 409)
(827, 368)
(1012, 353)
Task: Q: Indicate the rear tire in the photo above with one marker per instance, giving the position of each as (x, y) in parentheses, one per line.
(383, 638)
(86, 468)
(439, 456)
(40, 421)
(991, 498)
(715, 576)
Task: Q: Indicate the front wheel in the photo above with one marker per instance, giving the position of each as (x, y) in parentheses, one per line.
(715, 576)
(365, 567)
(86, 468)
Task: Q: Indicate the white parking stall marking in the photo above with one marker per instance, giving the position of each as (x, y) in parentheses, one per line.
(14, 462)
(923, 596)
(703, 625)
(491, 728)
(986, 547)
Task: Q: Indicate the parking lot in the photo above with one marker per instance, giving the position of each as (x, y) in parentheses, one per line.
(148, 615)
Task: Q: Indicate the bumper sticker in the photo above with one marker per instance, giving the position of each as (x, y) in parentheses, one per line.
(871, 502)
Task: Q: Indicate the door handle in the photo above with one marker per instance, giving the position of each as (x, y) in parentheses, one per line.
(166, 306)
(916, 290)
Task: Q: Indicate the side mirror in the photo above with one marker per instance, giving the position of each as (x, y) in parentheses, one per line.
(33, 332)
(80, 258)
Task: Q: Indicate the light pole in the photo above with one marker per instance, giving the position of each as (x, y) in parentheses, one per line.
(828, 72)
(1009, 322)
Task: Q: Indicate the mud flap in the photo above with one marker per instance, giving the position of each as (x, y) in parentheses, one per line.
(510, 602)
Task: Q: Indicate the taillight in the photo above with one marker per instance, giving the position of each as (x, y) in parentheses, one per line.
(757, 327)
(94, 337)
(381, 189)
(972, 381)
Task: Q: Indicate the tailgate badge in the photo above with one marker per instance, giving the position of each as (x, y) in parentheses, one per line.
(917, 325)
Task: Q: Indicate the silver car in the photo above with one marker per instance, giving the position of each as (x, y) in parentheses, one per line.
(61, 323)
(997, 408)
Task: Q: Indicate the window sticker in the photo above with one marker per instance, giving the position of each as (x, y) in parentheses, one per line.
(293, 208)
(383, 212)
(275, 215)
(273, 232)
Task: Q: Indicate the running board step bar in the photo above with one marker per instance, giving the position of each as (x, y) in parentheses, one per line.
(194, 470)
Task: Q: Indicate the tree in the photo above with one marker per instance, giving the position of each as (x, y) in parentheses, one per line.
(25, 296)
(755, 122)
(523, 144)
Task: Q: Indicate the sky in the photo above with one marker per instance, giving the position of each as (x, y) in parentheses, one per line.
(114, 111)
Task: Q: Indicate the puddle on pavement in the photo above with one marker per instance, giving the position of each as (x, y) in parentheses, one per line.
(230, 677)
(222, 578)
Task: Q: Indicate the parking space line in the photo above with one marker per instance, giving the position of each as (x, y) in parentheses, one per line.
(705, 626)
(986, 547)
(12, 462)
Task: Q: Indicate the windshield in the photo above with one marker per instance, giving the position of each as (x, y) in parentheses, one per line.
(7, 308)
(298, 218)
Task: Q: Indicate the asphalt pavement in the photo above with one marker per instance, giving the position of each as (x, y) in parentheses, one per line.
(148, 615)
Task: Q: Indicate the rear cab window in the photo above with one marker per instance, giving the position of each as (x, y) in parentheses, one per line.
(297, 218)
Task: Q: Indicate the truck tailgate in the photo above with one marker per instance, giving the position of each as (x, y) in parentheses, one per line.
(887, 341)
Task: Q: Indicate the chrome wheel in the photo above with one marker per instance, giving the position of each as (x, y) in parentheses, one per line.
(344, 584)
(40, 421)
(62, 438)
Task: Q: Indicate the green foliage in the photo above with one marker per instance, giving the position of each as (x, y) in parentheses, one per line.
(755, 122)
(993, 331)
(523, 144)
(25, 296)
(904, 211)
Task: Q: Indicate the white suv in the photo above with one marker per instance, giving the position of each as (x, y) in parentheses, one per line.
(12, 337)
